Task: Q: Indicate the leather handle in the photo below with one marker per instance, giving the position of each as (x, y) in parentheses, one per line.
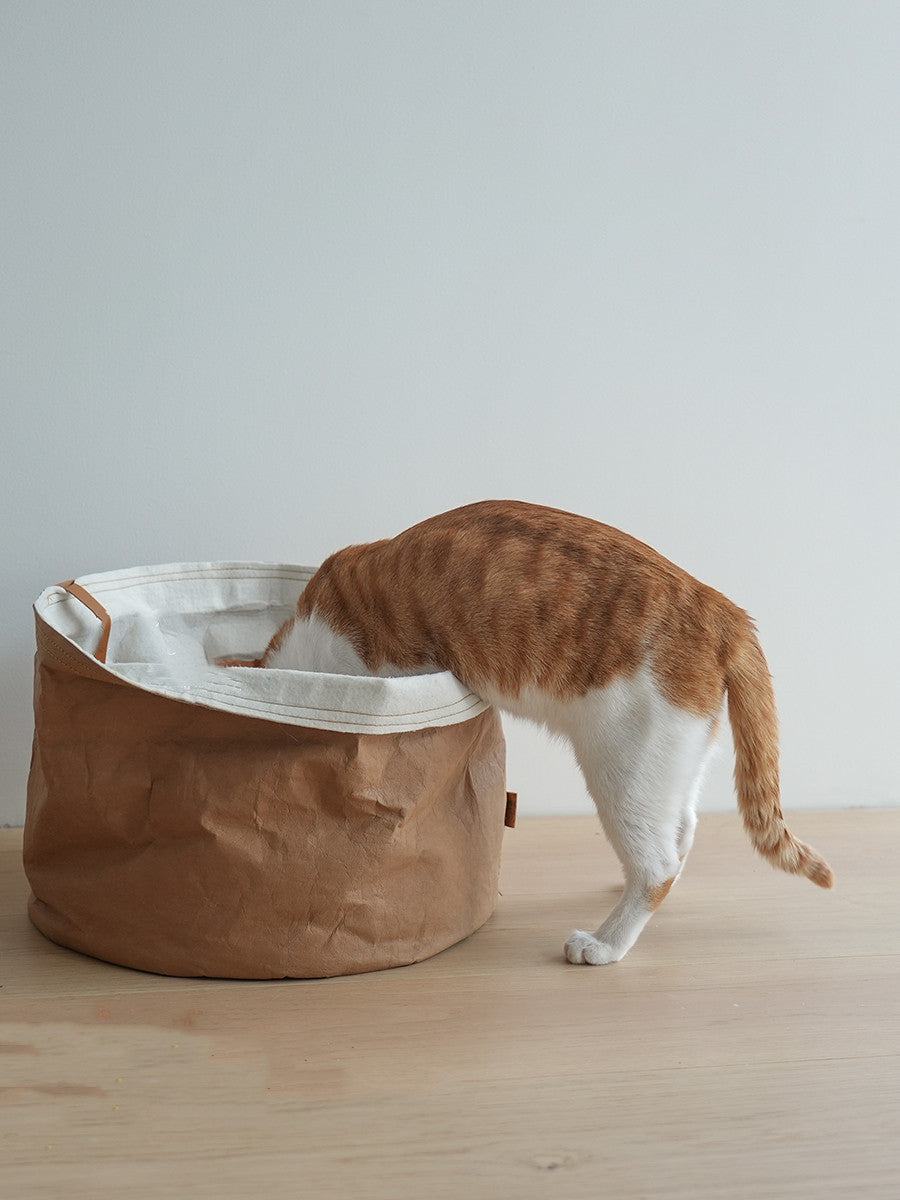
(76, 590)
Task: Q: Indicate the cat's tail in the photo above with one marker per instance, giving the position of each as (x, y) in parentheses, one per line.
(754, 727)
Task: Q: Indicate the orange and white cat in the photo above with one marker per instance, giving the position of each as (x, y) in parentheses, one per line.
(587, 631)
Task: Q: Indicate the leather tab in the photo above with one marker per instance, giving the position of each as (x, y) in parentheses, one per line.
(76, 590)
(510, 819)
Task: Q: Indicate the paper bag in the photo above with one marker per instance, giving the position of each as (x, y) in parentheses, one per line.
(193, 820)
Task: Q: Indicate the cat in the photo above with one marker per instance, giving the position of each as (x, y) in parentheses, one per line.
(589, 632)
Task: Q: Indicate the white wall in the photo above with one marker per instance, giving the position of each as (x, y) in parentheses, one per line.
(280, 276)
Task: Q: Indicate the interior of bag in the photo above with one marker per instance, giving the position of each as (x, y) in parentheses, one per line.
(180, 630)
(195, 638)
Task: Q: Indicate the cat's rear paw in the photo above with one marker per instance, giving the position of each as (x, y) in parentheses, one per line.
(583, 947)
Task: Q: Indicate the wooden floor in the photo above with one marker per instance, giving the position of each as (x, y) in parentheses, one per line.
(748, 1047)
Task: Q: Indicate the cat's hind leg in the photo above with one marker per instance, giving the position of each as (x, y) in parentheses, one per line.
(651, 867)
(688, 823)
(643, 761)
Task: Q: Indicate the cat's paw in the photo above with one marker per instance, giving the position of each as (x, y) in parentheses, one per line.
(583, 947)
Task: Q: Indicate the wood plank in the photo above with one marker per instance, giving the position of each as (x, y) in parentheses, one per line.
(749, 1045)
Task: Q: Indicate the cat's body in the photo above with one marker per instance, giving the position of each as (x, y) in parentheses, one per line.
(587, 631)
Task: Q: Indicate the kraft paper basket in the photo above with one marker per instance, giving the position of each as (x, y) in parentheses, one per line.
(194, 819)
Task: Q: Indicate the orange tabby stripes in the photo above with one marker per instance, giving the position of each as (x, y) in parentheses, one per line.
(564, 619)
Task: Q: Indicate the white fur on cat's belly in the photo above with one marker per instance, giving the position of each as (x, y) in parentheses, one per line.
(642, 757)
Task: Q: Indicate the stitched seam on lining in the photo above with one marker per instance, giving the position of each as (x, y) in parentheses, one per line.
(118, 585)
(214, 690)
(344, 716)
(460, 705)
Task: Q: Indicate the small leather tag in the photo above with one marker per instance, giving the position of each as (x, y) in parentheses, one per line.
(510, 819)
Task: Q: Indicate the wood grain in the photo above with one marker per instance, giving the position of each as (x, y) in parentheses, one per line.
(748, 1046)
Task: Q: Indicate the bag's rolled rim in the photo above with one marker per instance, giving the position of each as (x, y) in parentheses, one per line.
(254, 594)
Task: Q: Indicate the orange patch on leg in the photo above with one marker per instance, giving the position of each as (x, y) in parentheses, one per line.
(656, 895)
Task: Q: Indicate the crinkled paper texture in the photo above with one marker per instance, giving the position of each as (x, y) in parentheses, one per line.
(180, 837)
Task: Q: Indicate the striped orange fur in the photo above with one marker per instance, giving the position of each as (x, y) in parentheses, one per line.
(567, 620)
